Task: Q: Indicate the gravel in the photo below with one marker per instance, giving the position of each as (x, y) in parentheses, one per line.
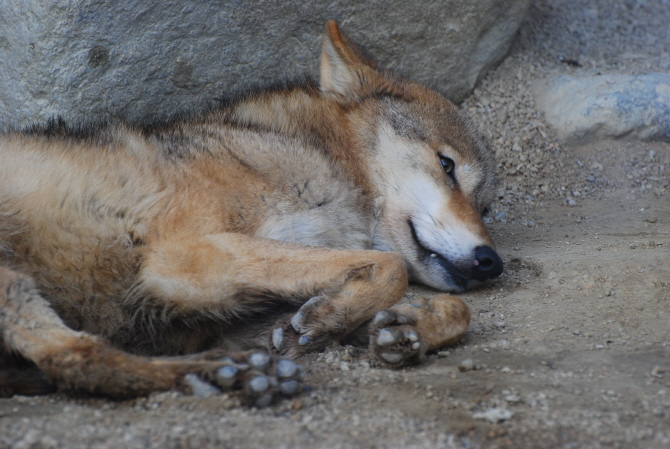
(569, 348)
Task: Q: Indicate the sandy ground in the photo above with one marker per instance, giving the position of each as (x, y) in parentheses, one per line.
(569, 349)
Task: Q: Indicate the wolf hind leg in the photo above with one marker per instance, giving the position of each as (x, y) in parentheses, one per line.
(19, 376)
(404, 333)
(82, 362)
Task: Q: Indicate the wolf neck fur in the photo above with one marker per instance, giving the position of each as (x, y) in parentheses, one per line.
(331, 127)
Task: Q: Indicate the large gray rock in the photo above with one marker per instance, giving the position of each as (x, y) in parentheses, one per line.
(607, 106)
(84, 59)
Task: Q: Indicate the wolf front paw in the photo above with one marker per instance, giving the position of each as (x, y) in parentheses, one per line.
(394, 340)
(313, 327)
(259, 376)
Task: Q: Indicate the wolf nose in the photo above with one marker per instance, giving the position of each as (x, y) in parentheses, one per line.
(488, 263)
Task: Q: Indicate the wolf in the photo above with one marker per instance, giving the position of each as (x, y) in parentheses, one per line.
(139, 259)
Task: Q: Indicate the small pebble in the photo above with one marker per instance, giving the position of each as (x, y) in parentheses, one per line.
(494, 415)
(512, 398)
(466, 365)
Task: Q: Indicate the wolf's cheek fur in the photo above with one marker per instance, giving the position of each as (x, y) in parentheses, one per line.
(441, 229)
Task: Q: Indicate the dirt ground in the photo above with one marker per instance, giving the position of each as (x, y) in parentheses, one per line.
(570, 348)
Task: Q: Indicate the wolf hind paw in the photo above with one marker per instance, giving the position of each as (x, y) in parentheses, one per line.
(394, 341)
(259, 376)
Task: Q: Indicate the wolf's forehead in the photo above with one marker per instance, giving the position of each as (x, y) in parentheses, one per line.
(407, 123)
(441, 128)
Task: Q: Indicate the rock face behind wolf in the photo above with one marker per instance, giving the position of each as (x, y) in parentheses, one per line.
(286, 219)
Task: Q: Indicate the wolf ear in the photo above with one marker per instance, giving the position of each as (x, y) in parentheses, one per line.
(345, 70)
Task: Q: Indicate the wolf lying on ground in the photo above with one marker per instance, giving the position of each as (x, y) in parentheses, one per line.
(287, 219)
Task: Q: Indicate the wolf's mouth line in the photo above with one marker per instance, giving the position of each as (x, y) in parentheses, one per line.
(455, 274)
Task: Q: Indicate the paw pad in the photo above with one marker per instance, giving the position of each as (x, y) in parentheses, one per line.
(199, 387)
(287, 368)
(387, 337)
(259, 376)
(394, 341)
(392, 357)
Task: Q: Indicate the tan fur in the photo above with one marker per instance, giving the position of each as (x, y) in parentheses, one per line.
(195, 234)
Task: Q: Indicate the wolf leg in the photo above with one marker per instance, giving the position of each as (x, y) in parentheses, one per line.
(19, 376)
(404, 333)
(79, 361)
(367, 283)
(233, 274)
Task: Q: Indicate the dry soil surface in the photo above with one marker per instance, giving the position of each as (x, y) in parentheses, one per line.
(569, 349)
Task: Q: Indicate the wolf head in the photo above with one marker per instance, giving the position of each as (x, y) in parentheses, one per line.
(432, 175)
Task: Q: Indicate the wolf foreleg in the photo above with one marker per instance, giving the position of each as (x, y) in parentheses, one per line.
(370, 281)
(404, 333)
(231, 275)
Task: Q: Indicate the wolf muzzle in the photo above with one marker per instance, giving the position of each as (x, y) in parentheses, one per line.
(487, 264)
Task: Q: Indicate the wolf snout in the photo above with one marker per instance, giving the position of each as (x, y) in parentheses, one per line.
(487, 264)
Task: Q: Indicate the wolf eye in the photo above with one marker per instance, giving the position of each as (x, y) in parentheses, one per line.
(447, 165)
